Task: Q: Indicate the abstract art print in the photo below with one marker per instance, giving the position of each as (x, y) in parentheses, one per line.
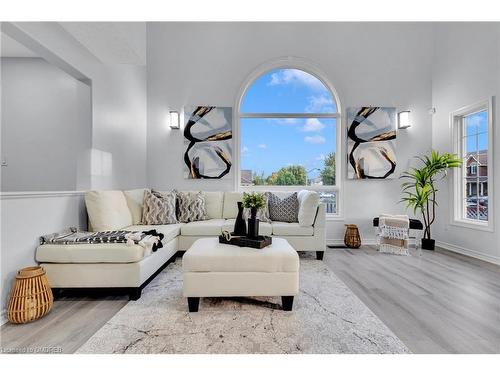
(371, 145)
(208, 145)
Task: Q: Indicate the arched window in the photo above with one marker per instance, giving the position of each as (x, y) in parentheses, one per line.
(288, 134)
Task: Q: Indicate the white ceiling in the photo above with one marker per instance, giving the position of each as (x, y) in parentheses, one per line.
(111, 42)
(12, 48)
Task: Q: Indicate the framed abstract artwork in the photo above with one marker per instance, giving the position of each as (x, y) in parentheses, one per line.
(208, 146)
(371, 148)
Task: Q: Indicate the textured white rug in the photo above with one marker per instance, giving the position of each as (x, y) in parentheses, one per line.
(326, 318)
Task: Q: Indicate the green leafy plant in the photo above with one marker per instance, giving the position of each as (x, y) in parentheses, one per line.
(419, 192)
(254, 200)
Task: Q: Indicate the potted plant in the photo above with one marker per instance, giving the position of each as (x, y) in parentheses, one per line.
(419, 192)
(254, 201)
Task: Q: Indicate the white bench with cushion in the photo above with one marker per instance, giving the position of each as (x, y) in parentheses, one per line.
(212, 269)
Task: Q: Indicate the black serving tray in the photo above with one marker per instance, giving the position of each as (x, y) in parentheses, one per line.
(257, 243)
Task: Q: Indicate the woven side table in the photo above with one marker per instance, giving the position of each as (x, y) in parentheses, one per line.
(31, 296)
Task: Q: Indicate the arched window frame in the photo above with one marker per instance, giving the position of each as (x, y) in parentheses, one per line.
(311, 68)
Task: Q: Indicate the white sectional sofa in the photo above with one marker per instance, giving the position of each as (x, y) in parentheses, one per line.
(103, 266)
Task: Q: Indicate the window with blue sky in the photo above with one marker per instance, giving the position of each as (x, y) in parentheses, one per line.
(288, 132)
(273, 144)
(288, 91)
(475, 154)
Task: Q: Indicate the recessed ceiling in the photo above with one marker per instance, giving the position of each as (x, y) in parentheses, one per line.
(111, 42)
(12, 48)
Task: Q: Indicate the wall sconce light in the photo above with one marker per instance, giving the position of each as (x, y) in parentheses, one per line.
(175, 122)
(404, 120)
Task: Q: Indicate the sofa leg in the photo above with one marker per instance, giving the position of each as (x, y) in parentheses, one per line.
(319, 255)
(193, 303)
(287, 302)
(134, 294)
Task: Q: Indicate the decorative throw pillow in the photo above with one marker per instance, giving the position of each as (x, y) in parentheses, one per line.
(308, 206)
(191, 207)
(283, 209)
(158, 208)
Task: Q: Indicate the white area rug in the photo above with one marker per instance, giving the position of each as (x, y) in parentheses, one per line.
(326, 318)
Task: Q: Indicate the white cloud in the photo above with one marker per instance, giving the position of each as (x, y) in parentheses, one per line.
(283, 121)
(476, 120)
(315, 139)
(244, 150)
(321, 157)
(313, 125)
(262, 146)
(296, 77)
(320, 103)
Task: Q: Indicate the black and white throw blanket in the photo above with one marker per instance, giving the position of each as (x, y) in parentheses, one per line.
(150, 240)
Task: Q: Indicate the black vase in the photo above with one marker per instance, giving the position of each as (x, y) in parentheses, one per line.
(428, 244)
(240, 227)
(253, 224)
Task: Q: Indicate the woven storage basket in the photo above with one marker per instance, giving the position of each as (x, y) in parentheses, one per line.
(352, 238)
(31, 296)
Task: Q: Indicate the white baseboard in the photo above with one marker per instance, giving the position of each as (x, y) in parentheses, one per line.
(364, 241)
(468, 252)
(340, 241)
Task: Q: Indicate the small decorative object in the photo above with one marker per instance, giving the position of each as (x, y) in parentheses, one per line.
(31, 296)
(258, 242)
(254, 201)
(208, 144)
(420, 191)
(240, 227)
(352, 238)
(371, 145)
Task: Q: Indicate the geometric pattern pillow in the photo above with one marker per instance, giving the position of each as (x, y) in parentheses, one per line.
(283, 209)
(191, 207)
(158, 208)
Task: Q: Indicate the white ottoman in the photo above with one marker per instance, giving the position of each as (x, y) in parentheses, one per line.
(212, 269)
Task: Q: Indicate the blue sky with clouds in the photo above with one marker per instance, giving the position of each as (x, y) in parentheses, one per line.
(476, 131)
(269, 144)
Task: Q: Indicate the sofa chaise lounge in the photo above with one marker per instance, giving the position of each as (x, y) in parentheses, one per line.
(125, 267)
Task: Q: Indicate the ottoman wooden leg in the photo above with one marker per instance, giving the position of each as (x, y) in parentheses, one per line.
(287, 302)
(319, 255)
(193, 303)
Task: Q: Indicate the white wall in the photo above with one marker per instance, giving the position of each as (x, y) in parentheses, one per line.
(118, 103)
(466, 69)
(23, 220)
(118, 139)
(46, 127)
(368, 64)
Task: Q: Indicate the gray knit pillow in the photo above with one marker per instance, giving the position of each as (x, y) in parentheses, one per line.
(191, 207)
(283, 209)
(158, 208)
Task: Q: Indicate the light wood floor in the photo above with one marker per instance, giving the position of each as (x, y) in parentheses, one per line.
(435, 303)
(68, 326)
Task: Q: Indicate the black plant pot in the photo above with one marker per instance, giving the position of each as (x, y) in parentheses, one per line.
(253, 228)
(240, 226)
(428, 244)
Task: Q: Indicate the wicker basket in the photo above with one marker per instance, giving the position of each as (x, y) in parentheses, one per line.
(352, 238)
(31, 296)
